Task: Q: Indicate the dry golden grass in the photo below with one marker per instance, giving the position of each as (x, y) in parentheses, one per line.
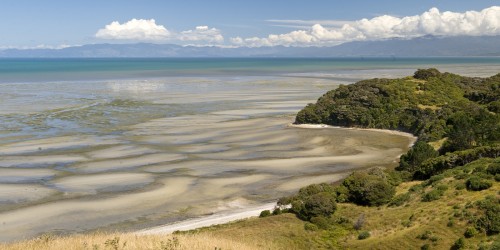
(438, 144)
(130, 241)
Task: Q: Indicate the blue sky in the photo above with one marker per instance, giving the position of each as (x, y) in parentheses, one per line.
(30, 23)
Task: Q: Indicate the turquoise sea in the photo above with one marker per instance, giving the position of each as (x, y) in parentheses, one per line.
(127, 144)
(26, 70)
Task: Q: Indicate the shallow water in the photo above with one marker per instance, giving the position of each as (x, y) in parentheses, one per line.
(127, 154)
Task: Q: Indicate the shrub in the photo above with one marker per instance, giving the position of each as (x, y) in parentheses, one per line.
(310, 227)
(441, 163)
(321, 204)
(490, 220)
(459, 244)
(342, 193)
(399, 200)
(363, 235)
(425, 247)
(425, 235)
(432, 195)
(321, 222)
(341, 220)
(265, 213)
(366, 189)
(476, 183)
(425, 74)
(470, 232)
(277, 211)
(434, 179)
(493, 168)
(420, 152)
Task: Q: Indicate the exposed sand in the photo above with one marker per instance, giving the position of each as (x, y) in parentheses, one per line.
(28, 161)
(54, 143)
(11, 175)
(15, 193)
(143, 165)
(103, 182)
(120, 151)
(126, 163)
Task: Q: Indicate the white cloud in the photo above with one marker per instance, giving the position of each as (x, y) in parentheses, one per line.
(135, 29)
(202, 33)
(432, 22)
(148, 30)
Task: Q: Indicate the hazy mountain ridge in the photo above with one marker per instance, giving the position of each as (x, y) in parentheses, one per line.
(421, 46)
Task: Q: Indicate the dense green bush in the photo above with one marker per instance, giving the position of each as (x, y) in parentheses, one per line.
(476, 183)
(420, 152)
(320, 204)
(439, 164)
(493, 168)
(277, 211)
(265, 213)
(425, 74)
(489, 221)
(471, 128)
(366, 189)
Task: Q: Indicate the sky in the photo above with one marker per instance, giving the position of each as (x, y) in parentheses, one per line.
(61, 23)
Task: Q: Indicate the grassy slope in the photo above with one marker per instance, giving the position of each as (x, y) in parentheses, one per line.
(390, 227)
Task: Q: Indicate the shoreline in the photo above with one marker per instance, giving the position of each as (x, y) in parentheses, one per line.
(387, 131)
(207, 221)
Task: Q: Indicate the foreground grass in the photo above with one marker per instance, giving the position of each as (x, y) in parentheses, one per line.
(438, 224)
(129, 241)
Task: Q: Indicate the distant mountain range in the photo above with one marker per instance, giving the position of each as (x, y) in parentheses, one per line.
(421, 46)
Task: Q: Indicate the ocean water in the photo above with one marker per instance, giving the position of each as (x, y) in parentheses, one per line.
(29, 70)
(126, 144)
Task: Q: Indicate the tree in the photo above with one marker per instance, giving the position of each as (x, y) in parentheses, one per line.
(420, 152)
(425, 74)
(317, 205)
(366, 189)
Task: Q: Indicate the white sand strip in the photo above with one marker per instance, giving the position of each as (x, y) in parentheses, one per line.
(387, 131)
(215, 219)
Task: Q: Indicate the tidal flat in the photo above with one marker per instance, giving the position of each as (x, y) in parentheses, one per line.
(131, 154)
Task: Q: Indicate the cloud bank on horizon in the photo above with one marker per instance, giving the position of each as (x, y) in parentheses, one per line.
(432, 22)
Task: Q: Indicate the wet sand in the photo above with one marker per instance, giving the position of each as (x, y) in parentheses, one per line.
(144, 157)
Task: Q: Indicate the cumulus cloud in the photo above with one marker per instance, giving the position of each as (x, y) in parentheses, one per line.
(148, 30)
(135, 29)
(202, 33)
(432, 22)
